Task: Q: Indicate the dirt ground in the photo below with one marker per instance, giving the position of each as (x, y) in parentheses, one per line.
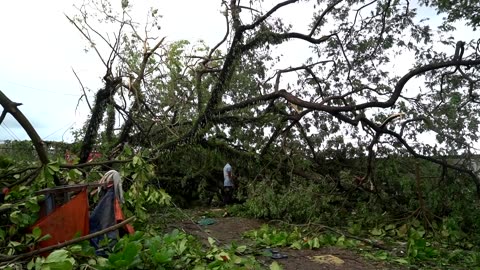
(228, 229)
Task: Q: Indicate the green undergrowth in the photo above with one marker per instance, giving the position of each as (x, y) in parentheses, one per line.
(379, 227)
(406, 245)
(174, 250)
(390, 229)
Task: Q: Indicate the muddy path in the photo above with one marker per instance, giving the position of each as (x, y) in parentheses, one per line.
(226, 230)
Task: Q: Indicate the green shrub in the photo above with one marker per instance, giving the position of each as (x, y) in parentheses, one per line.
(298, 202)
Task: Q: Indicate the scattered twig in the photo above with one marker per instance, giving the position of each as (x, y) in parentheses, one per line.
(195, 223)
(83, 89)
(321, 226)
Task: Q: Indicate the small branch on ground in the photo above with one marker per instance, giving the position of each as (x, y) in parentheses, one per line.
(321, 227)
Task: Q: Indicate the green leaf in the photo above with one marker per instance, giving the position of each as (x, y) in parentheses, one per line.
(31, 264)
(45, 237)
(296, 245)
(5, 206)
(376, 231)
(32, 205)
(223, 256)
(275, 266)
(211, 241)
(74, 174)
(58, 255)
(381, 255)
(65, 265)
(163, 257)
(182, 246)
(54, 167)
(390, 227)
(421, 243)
(402, 261)
(316, 243)
(37, 232)
(57, 260)
(241, 249)
(130, 252)
(136, 160)
(402, 231)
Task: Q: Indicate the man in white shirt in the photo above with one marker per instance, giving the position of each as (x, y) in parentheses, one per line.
(228, 184)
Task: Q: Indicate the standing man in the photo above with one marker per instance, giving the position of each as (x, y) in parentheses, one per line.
(228, 184)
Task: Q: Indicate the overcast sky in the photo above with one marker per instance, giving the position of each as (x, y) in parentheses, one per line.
(40, 47)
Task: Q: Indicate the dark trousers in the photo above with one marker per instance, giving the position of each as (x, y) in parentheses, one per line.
(227, 195)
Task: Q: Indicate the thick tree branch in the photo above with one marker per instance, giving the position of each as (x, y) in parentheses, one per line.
(322, 16)
(266, 15)
(12, 108)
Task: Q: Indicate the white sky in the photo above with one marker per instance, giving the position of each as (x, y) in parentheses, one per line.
(40, 47)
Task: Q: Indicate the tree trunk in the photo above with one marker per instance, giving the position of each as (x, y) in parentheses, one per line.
(102, 99)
